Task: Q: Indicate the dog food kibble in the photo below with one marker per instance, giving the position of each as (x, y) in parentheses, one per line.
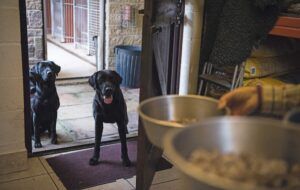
(250, 169)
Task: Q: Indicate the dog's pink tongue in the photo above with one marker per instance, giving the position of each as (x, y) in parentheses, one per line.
(108, 100)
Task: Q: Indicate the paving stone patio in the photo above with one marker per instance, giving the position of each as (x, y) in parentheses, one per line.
(75, 125)
(71, 66)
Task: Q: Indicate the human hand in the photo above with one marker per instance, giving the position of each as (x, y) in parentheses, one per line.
(242, 101)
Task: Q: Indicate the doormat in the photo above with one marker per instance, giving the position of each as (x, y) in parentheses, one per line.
(75, 172)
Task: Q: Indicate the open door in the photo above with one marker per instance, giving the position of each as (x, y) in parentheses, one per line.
(161, 49)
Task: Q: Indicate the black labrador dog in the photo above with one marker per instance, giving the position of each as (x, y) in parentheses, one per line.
(109, 107)
(44, 100)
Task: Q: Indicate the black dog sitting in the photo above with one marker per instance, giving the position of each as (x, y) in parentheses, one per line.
(44, 100)
(109, 107)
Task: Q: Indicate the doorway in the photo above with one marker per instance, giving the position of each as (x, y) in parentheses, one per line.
(68, 30)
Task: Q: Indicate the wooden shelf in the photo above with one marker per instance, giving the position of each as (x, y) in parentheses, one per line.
(287, 26)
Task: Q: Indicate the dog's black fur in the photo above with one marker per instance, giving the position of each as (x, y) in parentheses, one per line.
(109, 107)
(44, 100)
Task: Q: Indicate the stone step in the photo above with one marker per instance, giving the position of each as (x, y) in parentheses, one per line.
(62, 82)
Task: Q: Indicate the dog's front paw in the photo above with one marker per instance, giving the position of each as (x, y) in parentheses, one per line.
(37, 145)
(93, 161)
(54, 140)
(126, 162)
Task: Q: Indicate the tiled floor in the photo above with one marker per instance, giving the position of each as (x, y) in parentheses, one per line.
(71, 65)
(38, 176)
(75, 125)
(41, 176)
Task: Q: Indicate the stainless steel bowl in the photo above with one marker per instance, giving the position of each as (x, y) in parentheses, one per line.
(256, 136)
(164, 113)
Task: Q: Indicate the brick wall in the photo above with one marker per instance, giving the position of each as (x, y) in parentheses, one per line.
(12, 148)
(35, 30)
(118, 35)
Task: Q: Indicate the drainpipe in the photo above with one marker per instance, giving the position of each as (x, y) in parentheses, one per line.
(191, 44)
(101, 34)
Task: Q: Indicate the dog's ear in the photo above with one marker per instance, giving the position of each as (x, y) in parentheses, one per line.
(33, 78)
(93, 80)
(117, 77)
(55, 67)
(34, 72)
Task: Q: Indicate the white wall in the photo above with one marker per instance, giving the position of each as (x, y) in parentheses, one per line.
(191, 44)
(12, 147)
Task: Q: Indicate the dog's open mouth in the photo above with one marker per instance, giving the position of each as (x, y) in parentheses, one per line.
(108, 99)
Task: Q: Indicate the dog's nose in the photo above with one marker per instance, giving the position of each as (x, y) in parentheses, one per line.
(108, 89)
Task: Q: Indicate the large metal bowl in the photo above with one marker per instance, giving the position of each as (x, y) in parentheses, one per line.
(164, 113)
(256, 136)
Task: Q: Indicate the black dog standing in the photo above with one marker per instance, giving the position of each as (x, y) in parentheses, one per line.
(44, 100)
(109, 107)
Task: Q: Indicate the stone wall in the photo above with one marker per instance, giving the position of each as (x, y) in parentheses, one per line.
(13, 155)
(118, 35)
(35, 31)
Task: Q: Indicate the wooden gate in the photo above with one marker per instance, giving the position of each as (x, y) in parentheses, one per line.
(57, 19)
(48, 16)
(68, 21)
(81, 24)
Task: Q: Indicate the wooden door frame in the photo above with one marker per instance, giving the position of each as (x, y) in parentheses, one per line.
(45, 54)
(25, 69)
(149, 155)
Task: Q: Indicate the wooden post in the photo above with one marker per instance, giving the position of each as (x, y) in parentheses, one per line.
(148, 155)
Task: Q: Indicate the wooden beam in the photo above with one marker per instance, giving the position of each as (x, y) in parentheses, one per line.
(286, 32)
(148, 155)
(288, 21)
(287, 26)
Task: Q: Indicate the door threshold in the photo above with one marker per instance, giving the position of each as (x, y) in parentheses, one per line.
(77, 147)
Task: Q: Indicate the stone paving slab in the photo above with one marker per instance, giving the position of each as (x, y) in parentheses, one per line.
(70, 99)
(75, 121)
(63, 137)
(85, 128)
(67, 100)
(77, 88)
(133, 121)
(71, 66)
(75, 111)
(85, 97)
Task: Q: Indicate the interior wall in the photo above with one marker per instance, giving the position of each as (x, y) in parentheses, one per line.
(13, 156)
(118, 35)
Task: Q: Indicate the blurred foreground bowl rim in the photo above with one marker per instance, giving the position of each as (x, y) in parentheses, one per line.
(166, 122)
(213, 180)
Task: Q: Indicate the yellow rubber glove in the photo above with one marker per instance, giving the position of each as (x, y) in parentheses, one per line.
(241, 101)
